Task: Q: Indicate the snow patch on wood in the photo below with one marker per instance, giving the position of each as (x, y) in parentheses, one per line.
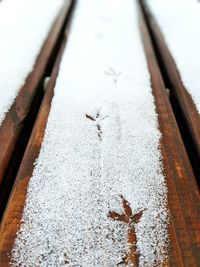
(179, 21)
(97, 196)
(24, 26)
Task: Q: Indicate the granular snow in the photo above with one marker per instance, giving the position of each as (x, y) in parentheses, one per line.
(24, 26)
(101, 146)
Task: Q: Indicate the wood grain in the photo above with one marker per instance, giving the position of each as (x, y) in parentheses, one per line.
(12, 216)
(183, 194)
(13, 123)
(179, 94)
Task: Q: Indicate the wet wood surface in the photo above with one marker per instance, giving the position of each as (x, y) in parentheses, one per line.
(183, 193)
(188, 113)
(13, 123)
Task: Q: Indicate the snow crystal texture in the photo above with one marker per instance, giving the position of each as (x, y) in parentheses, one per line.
(101, 143)
(179, 21)
(24, 26)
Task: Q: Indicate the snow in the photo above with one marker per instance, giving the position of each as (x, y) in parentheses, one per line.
(179, 21)
(24, 26)
(101, 144)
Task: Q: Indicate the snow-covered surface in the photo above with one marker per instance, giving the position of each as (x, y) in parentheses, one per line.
(179, 21)
(101, 143)
(24, 25)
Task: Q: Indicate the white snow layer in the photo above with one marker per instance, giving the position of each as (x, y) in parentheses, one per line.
(24, 25)
(179, 21)
(101, 143)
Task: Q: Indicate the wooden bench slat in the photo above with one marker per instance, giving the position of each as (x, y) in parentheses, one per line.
(12, 216)
(183, 100)
(183, 192)
(14, 120)
(183, 198)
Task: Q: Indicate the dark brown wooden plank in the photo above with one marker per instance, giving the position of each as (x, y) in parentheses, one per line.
(183, 198)
(13, 123)
(183, 193)
(183, 101)
(11, 219)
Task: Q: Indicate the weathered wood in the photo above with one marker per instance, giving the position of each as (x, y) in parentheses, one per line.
(12, 216)
(183, 196)
(188, 113)
(183, 193)
(13, 123)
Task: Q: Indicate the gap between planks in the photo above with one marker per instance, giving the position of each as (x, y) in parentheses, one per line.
(183, 196)
(183, 193)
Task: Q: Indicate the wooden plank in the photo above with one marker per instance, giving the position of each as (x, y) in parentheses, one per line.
(11, 219)
(183, 193)
(13, 123)
(183, 100)
(183, 198)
